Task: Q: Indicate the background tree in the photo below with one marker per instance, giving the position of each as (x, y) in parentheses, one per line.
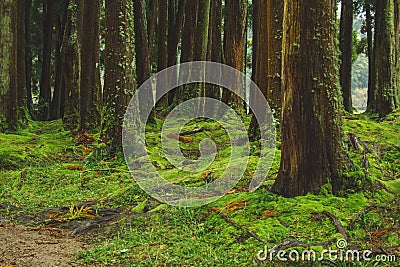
(385, 61)
(90, 73)
(119, 78)
(369, 26)
(235, 41)
(45, 78)
(346, 49)
(8, 65)
(162, 55)
(312, 152)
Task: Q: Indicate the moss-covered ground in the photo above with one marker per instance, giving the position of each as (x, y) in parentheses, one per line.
(49, 176)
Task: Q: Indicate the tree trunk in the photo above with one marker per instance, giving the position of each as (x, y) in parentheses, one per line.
(162, 57)
(142, 53)
(346, 48)
(151, 27)
(385, 62)
(235, 46)
(21, 63)
(28, 56)
(215, 43)
(71, 60)
(371, 102)
(90, 80)
(175, 20)
(119, 79)
(8, 65)
(267, 55)
(397, 46)
(45, 79)
(312, 150)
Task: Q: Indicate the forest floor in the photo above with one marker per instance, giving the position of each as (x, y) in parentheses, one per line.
(65, 202)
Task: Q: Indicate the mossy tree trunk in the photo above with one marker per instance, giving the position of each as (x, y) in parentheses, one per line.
(119, 79)
(235, 43)
(385, 61)
(346, 49)
(8, 65)
(312, 149)
(90, 74)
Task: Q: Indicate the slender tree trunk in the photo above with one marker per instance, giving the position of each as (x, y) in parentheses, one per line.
(21, 63)
(397, 46)
(119, 76)
(346, 48)
(72, 66)
(142, 53)
(215, 43)
(151, 27)
(176, 16)
(28, 56)
(371, 103)
(385, 61)
(162, 57)
(45, 80)
(312, 148)
(235, 46)
(90, 80)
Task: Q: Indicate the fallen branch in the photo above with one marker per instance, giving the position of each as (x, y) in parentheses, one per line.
(240, 227)
(202, 129)
(337, 224)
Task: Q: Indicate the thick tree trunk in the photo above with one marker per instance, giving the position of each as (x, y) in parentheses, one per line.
(119, 79)
(90, 79)
(371, 102)
(151, 27)
(45, 79)
(385, 61)
(346, 48)
(235, 46)
(71, 59)
(312, 148)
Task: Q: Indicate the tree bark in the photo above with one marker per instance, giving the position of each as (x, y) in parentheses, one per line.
(28, 57)
(385, 61)
(21, 63)
(119, 79)
(346, 49)
(369, 21)
(45, 79)
(71, 60)
(235, 47)
(162, 57)
(312, 151)
(90, 79)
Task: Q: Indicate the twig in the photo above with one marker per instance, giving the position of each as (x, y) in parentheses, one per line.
(202, 129)
(337, 224)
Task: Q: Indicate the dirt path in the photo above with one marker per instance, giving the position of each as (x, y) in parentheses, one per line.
(22, 246)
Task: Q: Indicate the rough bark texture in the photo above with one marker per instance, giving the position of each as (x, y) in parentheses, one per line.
(119, 79)
(45, 79)
(312, 151)
(235, 46)
(385, 61)
(267, 54)
(346, 49)
(90, 79)
(8, 67)
(72, 67)
(21, 64)
(28, 56)
(151, 27)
